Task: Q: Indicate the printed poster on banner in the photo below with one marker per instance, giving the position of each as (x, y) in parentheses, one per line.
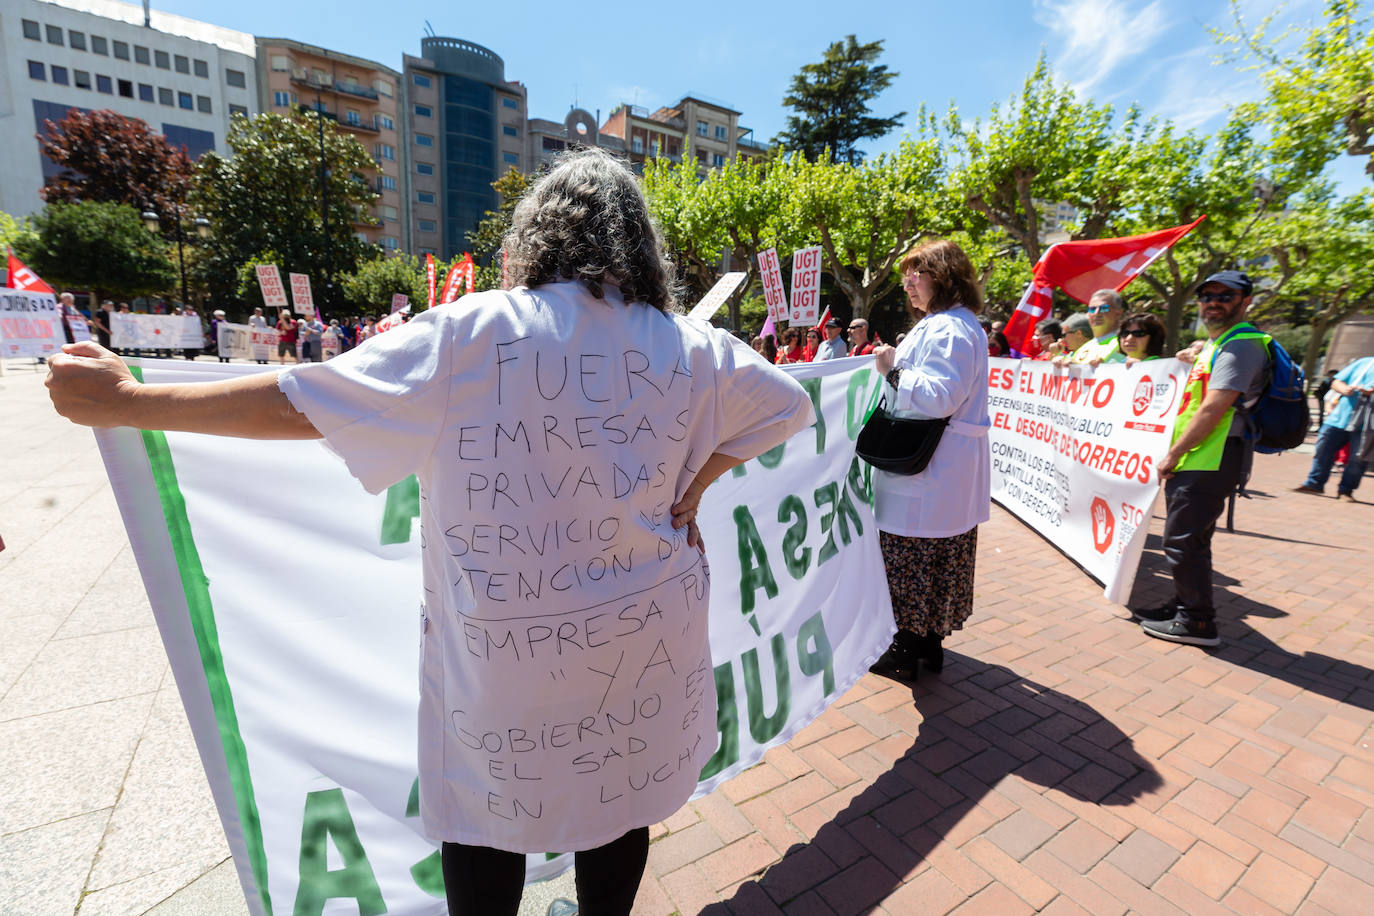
(806, 285)
(234, 341)
(269, 281)
(303, 704)
(715, 297)
(773, 292)
(300, 294)
(395, 319)
(1074, 451)
(136, 331)
(264, 343)
(80, 328)
(30, 324)
(398, 302)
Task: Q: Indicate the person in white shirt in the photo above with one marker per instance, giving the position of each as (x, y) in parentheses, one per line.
(928, 522)
(834, 346)
(562, 432)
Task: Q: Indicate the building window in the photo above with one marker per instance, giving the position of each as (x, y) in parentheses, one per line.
(59, 75)
(145, 92)
(202, 69)
(184, 100)
(507, 102)
(352, 118)
(54, 34)
(235, 78)
(203, 104)
(653, 149)
(701, 128)
(280, 63)
(82, 79)
(424, 168)
(236, 110)
(386, 183)
(281, 99)
(386, 151)
(100, 46)
(424, 197)
(140, 54)
(183, 64)
(161, 60)
(717, 160)
(37, 71)
(104, 84)
(423, 81)
(424, 140)
(383, 87)
(76, 40)
(510, 158)
(388, 212)
(426, 225)
(509, 131)
(390, 243)
(121, 50)
(126, 89)
(424, 111)
(164, 96)
(382, 122)
(31, 30)
(637, 144)
(720, 131)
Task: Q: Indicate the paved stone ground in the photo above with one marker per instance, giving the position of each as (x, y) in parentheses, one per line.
(1063, 762)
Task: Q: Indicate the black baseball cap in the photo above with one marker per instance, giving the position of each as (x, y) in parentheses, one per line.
(1231, 279)
(834, 323)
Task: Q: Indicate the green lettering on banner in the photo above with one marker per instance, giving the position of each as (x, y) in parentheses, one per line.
(326, 818)
(761, 727)
(827, 495)
(752, 575)
(859, 403)
(847, 514)
(795, 555)
(773, 457)
(819, 657)
(402, 505)
(860, 480)
(429, 871)
(813, 388)
(727, 724)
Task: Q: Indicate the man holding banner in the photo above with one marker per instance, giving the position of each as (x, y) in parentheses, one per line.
(566, 719)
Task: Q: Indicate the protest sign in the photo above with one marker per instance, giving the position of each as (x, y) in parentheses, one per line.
(774, 295)
(264, 343)
(399, 301)
(269, 281)
(330, 341)
(234, 341)
(30, 324)
(136, 331)
(304, 709)
(80, 328)
(300, 294)
(806, 285)
(715, 297)
(1073, 453)
(395, 319)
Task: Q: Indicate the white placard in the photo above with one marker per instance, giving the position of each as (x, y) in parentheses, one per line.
(80, 328)
(30, 324)
(300, 293)
(264, 343)
(806, 285)
(136, 331)
(770, 276)
(716, 296)
(234, 341)
(269, 281)
(398, 302)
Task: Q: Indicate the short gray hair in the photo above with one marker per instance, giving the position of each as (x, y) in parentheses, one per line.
(587, 220)
(1111, 297)
(1079, 322)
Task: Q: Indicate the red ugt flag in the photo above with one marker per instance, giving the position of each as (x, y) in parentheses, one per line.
(1081, 269)
(461, 272)
(23, 278)
(429, 278)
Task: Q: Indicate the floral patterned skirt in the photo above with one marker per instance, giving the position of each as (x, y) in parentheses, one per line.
(931, 580)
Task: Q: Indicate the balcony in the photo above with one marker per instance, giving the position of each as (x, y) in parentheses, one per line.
(301, 77)
(333, 116)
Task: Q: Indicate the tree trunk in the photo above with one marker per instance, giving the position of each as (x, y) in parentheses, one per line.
(1173, 321)
(1320, 321)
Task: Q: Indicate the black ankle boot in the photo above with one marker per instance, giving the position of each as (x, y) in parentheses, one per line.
(932, 652)
(901, 659)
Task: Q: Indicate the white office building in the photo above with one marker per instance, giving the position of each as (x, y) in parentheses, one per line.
(183, 77)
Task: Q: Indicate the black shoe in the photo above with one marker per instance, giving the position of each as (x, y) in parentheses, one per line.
(1165, 611)
(900, 660)
(932, 653)
(1181, 628)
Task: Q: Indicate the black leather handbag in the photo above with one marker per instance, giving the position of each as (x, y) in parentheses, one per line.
(898, 445)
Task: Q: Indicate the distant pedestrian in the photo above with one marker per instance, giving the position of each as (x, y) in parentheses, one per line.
(1348, 425)
(286, 337)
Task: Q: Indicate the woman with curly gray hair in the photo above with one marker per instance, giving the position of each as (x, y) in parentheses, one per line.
(562, 432)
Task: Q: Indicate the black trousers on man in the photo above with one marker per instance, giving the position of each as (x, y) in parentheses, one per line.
(1194, 501)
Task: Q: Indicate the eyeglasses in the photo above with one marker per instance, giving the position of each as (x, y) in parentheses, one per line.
(1098, 309)
(1216, 297)
(856, 327)
(1135, 332)
(913, 276)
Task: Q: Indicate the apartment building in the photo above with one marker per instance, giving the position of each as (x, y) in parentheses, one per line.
(545, 139)
(182, 77)
(362, 98)
(710, 129)
(467, 126)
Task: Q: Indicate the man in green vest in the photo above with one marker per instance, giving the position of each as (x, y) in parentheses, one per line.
(1206, 461)
(1106, 308)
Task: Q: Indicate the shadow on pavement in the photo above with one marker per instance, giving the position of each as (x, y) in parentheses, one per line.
(980, 724)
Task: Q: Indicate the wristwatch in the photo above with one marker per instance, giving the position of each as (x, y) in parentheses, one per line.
(894, 375)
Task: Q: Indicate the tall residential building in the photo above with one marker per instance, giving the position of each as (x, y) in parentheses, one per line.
(183, 78)
(361, 98)
(546, 139)
(466, 128)
(711, 130)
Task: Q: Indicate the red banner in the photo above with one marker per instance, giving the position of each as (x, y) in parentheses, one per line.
(429, 278)
(23, 278)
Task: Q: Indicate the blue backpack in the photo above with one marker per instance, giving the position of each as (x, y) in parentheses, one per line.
(1280, 419)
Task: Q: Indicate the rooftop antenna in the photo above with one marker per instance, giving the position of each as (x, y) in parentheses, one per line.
(147, 16)
(429, 29)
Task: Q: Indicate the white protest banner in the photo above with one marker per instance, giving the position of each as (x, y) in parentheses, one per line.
(1073, 455)
(331, 344)
(395, 319)
(716, 295)
(269, 281)
(806, 285)
(80, 328)
(773, 292)
(399, 301)
(30, 324)
(264, 343)
(300, 293)
(234, 341)
(303, 705)
(136, 331)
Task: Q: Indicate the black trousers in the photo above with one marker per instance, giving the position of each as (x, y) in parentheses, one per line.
(481, 881)
(1194, 501)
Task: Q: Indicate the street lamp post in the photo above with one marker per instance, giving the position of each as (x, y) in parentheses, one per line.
(153, 223)
(324, 206)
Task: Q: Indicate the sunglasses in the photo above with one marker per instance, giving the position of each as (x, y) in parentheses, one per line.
(912, 277)
(1098, 309)
(1135, 332)
(1216, 297)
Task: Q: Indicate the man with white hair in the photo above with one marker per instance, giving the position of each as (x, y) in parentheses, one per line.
(1106, 308)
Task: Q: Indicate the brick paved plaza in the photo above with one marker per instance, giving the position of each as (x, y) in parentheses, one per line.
(1063, 762)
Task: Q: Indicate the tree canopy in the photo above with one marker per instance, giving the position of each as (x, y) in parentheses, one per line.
(97, 246)
(108, 158)
(831, 98)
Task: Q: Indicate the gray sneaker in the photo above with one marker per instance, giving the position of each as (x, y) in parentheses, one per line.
(1183, 629)
(562, 907)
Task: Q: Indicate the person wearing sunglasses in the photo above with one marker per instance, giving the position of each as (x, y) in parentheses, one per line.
(1141, 338)
(1105, 310)
(1206, 461)
(1077, 332)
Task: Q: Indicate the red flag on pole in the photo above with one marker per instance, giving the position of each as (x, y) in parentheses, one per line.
(429, 278)
(820, 326)
(1081, 269)
(23, 278)
(462, 272)
(470, 272)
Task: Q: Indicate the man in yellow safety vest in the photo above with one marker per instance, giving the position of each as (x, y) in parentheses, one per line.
(1206, 461)
(1106, 308)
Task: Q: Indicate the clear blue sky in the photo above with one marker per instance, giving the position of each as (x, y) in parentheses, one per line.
(971, 53)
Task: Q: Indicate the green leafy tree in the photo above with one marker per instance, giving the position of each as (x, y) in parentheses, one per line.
(97, 246)
(830, 100)
(490, 234)
(12, 229)
(371, 286)
(109, 158)
(266, 197)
